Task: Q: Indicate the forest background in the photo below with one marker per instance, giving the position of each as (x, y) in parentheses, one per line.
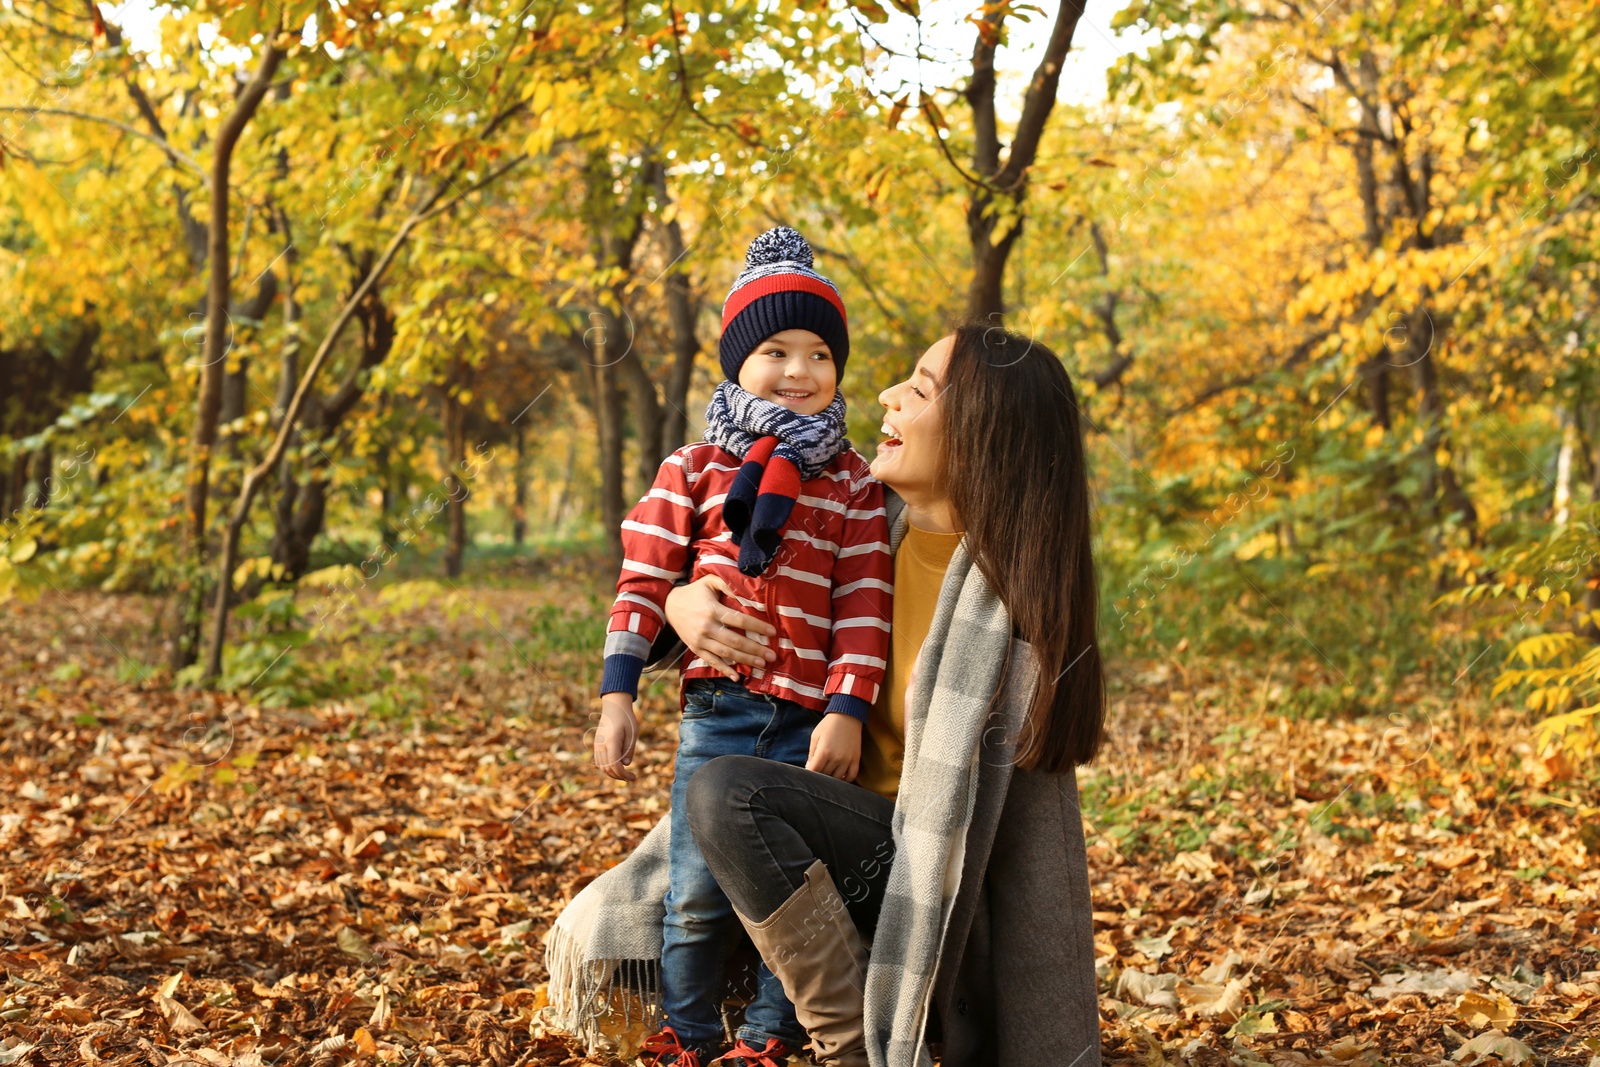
(338, 338)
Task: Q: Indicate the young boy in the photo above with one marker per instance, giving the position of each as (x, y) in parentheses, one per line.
(777, 503)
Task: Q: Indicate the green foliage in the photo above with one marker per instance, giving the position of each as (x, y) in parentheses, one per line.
(563, 629)
(263, 663)
(1534, 592)
(1306, 416)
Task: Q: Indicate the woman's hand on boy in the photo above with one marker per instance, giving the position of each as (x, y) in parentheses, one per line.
(715, 632)
(616, 737)
(836, 747)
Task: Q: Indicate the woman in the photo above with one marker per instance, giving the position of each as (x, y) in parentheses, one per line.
(960, 848)
(960, 853)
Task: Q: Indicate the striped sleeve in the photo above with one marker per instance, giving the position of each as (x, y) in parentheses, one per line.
(863, 590)
(655, 550)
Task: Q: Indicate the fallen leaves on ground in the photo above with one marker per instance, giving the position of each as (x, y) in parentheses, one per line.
(194, 880)
(1408, 890)
(191, 879)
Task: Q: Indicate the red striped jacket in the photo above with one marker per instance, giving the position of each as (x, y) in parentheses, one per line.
(827, 591)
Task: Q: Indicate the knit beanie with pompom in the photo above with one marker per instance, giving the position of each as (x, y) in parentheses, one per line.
(779, 290)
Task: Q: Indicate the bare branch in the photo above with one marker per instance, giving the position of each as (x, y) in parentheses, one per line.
(1297, 355)
(1041, 96)
(173, 153)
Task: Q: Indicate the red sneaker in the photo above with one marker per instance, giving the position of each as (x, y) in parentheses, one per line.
(776, 1054)
(666, 1044)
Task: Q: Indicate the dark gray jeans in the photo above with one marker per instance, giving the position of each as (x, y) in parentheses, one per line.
(760, 824)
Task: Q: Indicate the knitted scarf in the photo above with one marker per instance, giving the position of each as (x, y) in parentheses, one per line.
(780, 449)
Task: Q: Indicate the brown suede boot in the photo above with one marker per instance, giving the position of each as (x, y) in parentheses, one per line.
(812, 945)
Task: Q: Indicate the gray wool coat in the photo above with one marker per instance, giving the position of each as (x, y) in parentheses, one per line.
(1015, 984)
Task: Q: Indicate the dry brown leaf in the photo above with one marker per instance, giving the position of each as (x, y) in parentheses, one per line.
(413, 890)
(1553, 765)
(379, 1020)
(1480, 1010)
(353, 944)
(332, 1044)
(1156, 990)
(416, 1029)
(1493, 1043)
(1199, 865)
(179, 1018)
(1435, 983)
(365, 1045)
(1352, 1050)
(1211, 1001)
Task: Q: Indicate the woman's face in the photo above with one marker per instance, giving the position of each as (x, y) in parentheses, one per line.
(911, 456)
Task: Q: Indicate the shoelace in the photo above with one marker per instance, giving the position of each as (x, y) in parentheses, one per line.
(776, 1054)
(667, 1043)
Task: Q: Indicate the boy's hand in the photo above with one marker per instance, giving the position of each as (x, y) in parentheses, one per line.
(614, 740)
(836, 747)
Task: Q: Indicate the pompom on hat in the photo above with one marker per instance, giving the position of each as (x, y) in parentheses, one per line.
(780, 290)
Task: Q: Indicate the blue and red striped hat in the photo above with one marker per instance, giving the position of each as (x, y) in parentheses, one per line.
(780, 290)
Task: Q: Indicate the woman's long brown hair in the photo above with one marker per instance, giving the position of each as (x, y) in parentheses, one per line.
(1014, 467)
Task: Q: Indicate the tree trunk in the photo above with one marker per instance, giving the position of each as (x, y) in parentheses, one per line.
(44, 464)
(1439, 484)
(299, 517)
(985, 299)
(1368, 133)
(234, 387)
(1288, 541)
(235, 402)
(387, 534)
(1376, 371)
(649, 421)
(608, 420)
(1375, 377)
(297, 514)
(1006, 186)
(218, 340)
(681, 312)
(283, 516)
(563, 502)
(17, 485)
(1584, 422)
(1569, 445)
(289, 358)
(236, 383)
(614, 232)
(519, 488)
(455, 439)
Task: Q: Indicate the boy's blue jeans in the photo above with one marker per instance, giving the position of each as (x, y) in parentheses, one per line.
(721, 718)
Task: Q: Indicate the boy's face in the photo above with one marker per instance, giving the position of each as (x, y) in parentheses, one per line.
(793, 369)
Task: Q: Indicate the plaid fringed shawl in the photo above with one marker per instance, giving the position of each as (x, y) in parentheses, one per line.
(611, 932)
(604, 950)
(964, 657)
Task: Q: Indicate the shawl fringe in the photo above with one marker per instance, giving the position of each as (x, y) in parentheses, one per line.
(584, 993)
